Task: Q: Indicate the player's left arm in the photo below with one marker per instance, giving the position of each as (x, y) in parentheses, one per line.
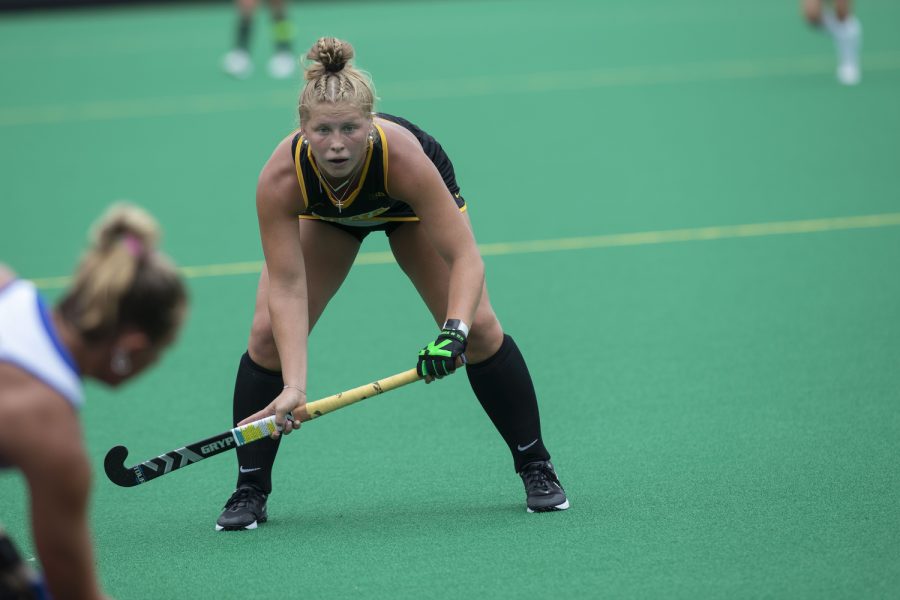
(414, 179)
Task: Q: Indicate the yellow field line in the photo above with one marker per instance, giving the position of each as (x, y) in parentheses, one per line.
(585, 79)
(695, 235)
(643, 238)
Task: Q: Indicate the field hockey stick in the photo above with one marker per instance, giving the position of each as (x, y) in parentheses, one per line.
(118, 473)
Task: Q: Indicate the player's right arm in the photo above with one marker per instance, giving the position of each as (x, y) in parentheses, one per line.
(278, 201)
(42, 437)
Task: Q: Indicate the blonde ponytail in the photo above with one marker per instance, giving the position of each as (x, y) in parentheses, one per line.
(123, 280)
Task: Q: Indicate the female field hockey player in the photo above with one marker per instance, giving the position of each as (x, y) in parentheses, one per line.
(346, 173)
(844, 27)
(123, 309)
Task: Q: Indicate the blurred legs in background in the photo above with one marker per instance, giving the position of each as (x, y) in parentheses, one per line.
(846, 31)
(282, 64)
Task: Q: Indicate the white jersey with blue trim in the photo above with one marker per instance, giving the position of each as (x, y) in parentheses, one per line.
(29, 341)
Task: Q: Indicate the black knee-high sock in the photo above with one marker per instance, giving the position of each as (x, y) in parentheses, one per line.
(254, 388)
(504, 388)
(242, 37)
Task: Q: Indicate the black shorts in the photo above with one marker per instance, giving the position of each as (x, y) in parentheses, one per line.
(360, 233)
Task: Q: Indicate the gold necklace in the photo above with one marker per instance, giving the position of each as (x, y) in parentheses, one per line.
(339, 202)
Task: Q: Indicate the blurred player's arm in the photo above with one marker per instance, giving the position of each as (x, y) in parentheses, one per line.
(52, 457)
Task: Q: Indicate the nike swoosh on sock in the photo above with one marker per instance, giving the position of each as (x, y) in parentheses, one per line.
(527, 446)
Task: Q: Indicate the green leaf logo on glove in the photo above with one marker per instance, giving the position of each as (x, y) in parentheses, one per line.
(436, 349)
(439, 357)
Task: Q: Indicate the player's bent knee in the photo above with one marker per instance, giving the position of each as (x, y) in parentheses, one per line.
(484, 340)
(262, 348)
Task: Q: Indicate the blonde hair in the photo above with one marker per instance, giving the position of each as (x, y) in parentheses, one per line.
(123, 280)
(331, 78)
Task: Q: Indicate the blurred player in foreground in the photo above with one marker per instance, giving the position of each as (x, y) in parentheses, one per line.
(123, 309)
(346, 173)
(838, 20)
(282, 64)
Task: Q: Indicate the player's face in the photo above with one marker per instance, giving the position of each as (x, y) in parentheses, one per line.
(338, 137)
(139, 353)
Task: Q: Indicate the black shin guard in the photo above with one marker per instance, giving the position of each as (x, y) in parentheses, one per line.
(504, 388)
(254, 388)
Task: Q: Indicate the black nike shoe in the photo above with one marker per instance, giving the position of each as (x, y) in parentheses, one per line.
(244, 510)
(544, 492)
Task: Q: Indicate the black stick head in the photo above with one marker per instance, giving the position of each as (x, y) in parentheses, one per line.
(118, 473)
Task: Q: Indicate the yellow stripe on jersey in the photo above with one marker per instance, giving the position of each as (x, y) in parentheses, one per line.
(384, 154)
(300, 173)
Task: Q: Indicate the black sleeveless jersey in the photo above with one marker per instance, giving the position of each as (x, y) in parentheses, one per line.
(368, 204)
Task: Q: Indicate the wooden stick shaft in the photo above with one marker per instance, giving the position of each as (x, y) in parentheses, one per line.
(340, 400)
